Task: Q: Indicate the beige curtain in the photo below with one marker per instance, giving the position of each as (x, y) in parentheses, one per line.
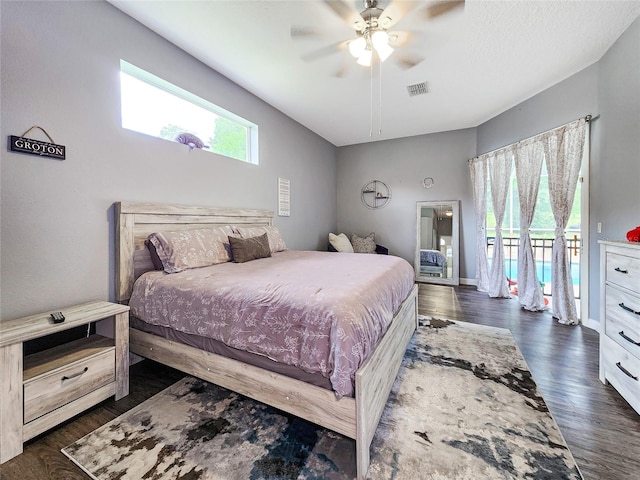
(563, 148)
(499, 168)
(478, 168)
(528, 159)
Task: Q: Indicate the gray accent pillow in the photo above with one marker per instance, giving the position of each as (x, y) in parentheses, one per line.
(364, 245)
(246, 249)
(276, 242)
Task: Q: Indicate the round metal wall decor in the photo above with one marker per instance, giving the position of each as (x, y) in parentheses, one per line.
(375, 194)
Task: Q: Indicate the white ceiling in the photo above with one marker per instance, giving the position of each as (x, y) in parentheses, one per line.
(478, 61)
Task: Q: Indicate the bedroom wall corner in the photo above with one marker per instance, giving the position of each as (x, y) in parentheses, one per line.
(402, 164)
(616, 176)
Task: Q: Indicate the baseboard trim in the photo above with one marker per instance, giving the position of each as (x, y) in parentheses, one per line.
(468, 281)
(592, 324)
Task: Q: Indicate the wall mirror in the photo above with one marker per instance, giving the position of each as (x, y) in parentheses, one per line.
(437, 242)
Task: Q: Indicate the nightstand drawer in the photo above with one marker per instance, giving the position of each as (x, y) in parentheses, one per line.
(61, 385)
(622, 370)
(623, 271)
(622, 311)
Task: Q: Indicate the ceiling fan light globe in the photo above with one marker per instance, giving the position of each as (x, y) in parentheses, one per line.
(365, 58)
(380, 39)
(384, 51)
(357, 46)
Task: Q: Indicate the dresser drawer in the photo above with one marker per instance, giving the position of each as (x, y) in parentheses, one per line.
(622, 312)
(622, 370)
(52, 389)
(624, 271)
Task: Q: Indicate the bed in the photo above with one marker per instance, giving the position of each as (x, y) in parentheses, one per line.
(353, 416)
(433, 263)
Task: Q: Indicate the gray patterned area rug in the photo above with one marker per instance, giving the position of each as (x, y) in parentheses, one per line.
(464, 406)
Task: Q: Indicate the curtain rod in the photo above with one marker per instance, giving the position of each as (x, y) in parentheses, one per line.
(588, 119)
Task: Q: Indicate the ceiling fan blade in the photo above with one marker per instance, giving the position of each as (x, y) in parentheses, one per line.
(342, 71)
(305, 32)
(324, 51)
(440, 8)
(399, 38)
(341, 9)
(395, 12)
(407, 60)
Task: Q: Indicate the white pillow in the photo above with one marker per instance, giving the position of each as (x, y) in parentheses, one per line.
(340, 242)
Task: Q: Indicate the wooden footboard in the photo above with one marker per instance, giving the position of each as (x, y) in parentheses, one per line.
(355, 418)
(316, 404)
(375, 378)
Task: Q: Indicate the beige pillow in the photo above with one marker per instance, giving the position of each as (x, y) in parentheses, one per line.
(246, 249)
(340, 242)
(364, 245)
(276, 242)
(184, 249)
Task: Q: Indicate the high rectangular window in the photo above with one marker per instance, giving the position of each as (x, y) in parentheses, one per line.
(155, 107)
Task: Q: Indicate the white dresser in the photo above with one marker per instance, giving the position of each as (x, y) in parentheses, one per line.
(620, 318)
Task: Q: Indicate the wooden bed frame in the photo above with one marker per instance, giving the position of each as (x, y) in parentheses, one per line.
(356, 418)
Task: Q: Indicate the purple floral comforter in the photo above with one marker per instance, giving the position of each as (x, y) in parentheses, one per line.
(322, 312)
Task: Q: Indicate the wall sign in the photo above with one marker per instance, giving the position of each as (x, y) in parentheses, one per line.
(284, 197)
(31, 146)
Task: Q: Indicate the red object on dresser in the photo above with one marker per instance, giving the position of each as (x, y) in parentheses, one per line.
(634, 235)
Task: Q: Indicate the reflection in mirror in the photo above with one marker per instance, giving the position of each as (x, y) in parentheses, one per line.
(437, 242)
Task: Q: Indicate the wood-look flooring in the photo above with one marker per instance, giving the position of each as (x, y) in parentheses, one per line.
(602, 431)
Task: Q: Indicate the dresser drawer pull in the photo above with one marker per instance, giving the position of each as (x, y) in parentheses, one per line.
(69, 377)
(618, 269)
(628, 309)
(628, 339)
(626, 372)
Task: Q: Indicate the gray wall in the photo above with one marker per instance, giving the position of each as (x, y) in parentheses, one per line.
(57, 226)
(566, 101)
(615, 192)
(610, 88)
(615, 177)
(402, 164)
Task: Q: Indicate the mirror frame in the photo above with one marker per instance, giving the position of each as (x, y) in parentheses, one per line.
(455, 243)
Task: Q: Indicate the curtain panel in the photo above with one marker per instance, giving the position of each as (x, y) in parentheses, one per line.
(563, 149)
(528, 160)
(478, 170)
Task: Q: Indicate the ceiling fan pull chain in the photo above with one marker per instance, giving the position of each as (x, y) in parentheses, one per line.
(380, 97)
(371, 100)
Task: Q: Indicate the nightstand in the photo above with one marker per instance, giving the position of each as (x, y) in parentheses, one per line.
(39, 391)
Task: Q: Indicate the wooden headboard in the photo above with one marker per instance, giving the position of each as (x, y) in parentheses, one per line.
(135, 221)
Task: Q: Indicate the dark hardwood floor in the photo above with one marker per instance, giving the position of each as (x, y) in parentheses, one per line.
(602, 431)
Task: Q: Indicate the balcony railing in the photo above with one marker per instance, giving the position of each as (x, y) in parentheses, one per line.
(542, 248)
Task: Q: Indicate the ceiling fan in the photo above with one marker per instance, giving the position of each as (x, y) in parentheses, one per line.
(372, 26)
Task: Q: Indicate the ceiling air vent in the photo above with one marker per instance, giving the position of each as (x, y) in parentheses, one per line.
(417, 89)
